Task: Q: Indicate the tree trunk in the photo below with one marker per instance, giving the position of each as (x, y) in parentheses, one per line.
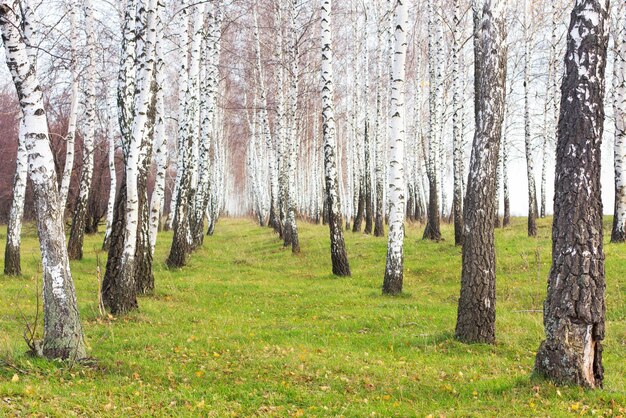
(338, 254)
(79, 221)
(181, 243)
(394, 271)
(63, 335)
(618, 233)
(477, 304)
(160, 140)
(530, 166)
(12, 263)
(574, 308)
(70, 138)
(432, 230)
(457, 133)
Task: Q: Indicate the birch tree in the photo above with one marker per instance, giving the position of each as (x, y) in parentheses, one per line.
(120, 284)
(433, 231)
(477, 304)
(291, 233)
(574, 309)
(338, 254)
(530, 167)
(457, 133)
(188, 108)
(63, 335)
(160, 140)
(394, 270)
(618, 234)
(70, 137)
(12, 260)
(113, 175)
(77, 232)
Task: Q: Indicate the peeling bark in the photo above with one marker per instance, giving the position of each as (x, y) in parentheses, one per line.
(574, 309)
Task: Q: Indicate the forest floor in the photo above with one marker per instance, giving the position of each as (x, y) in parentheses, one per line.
(248, 329)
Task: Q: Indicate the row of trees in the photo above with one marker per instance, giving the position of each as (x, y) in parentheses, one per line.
(286, 123)
(133, 218)
(572, 350)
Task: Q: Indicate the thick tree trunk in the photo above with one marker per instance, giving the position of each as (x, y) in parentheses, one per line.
(119, 293)
(181, 243)
(477, 304)
(574, 308)
(63, 335)
(394, 270)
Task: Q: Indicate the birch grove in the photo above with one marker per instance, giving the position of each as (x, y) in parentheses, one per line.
(158, 119)
(394, 270)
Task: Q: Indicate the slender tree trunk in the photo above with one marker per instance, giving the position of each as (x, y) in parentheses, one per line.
(63, 335)
(457, 134)
(476, 315)
(113, 184)
(618, 233)
(293, 133)
(433, 229)
(12, 263)
(506, 218)
(160, 140)
(530, 166)
(70, 139)
(77, 233)
(574, 308)
(394, 271)
(338, 254)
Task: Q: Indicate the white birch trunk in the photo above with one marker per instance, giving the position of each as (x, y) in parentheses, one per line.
(619, 109)
(113, 175)
(75, 244)
(136, 153)
(63, 335)
(530, 166)
(160, 141)
(397, 195)
(70, 138)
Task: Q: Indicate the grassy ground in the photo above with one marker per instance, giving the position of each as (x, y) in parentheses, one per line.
(248, 329)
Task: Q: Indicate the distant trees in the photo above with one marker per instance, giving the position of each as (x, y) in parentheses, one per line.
(618, 234)
(477, 303)
(574, 310)
(63, 335)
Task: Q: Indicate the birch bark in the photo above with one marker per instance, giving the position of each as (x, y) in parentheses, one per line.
(477, 303)
(63, 335)
(574, 309)
(394, 270)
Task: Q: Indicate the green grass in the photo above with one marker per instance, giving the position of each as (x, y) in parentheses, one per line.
(248, 329)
